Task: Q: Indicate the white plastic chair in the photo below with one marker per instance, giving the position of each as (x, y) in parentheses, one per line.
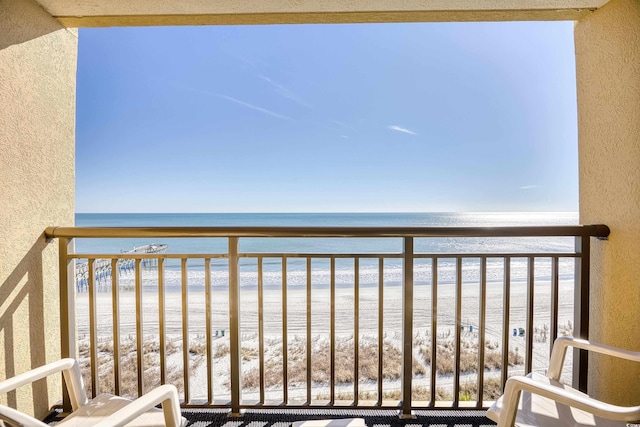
(539, 400)
(103, 411)
(338, 422)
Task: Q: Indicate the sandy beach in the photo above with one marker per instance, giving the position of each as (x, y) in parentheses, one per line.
(296, 320)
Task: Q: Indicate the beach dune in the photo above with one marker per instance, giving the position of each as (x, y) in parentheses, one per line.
(321, 318)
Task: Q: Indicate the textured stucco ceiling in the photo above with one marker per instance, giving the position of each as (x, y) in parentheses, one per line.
(183, 12)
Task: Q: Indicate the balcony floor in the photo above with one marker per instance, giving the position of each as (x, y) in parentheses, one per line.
(373, 418)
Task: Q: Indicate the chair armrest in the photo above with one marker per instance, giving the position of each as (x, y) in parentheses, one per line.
(19, 418)
(36, 374)
(166, 394)
(68, 367)
(562, 343)
(515, 385)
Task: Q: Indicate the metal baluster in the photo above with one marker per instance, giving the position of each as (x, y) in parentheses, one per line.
(234, 325)
(261, 329)
(93, 329)
(554, 302)
(506, 303)
(115, 310)
(528, 364)
(185, 328)
(356, 330)
(68, 326)
(332, 332)
(139, 328)
(380, 326)
(162, 322)
(207, 328)
(308, 331)
(458, 334)
(285, 341)
(407, 328)
(434, 328)
(581, 310)
(482, 332)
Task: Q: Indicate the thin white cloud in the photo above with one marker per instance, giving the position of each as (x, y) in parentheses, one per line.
(344, 136)
(237, 101)
(255, 107)
(401, 129)
(344, 125)
(286, 93)
(528, 187)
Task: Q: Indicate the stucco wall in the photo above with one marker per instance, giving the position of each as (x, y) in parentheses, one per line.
(608, 80)
(37, 122)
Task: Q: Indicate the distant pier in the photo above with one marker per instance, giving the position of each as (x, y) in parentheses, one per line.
(102, 267)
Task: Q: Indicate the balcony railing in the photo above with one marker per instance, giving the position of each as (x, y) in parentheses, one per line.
(403, 329)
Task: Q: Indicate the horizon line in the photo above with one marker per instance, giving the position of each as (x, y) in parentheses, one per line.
(325, 212)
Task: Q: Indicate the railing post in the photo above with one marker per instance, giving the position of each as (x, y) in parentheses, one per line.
(458, 333)
(234, 326)
(407, 328)
(581, 310)
(506, 308)
(66, 269)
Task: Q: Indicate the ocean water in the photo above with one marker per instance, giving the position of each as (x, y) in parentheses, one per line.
(369, 269)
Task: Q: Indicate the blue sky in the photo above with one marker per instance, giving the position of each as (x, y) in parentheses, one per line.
(327, 118)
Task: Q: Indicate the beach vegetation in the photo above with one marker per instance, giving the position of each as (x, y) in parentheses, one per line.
(249, 353)
(445, 357)
(221, 350)
(491, 390)
(129, 365)
(199, 349)
(344, 366)
(320, 366)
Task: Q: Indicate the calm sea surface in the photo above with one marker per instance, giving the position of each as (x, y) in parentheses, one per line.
(369, 270)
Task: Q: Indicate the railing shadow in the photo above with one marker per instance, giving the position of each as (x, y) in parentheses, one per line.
(379, 418)
(23, 291)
